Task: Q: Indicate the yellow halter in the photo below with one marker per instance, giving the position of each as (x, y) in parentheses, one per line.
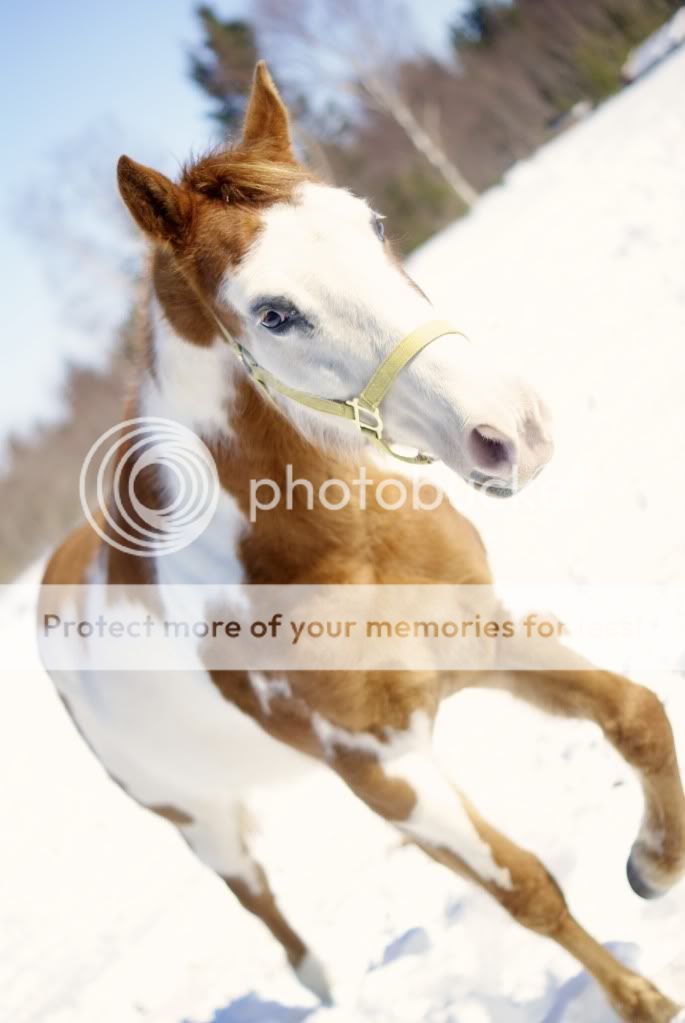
(364, 410)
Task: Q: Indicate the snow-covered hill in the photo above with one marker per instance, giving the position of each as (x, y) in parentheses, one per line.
(575, 269)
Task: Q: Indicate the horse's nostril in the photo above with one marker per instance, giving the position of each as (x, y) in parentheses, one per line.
(489, 449)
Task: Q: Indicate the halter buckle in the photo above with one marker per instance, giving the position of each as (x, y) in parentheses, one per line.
(368, 419)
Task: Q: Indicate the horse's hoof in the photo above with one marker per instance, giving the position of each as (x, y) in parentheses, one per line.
(637, 881)
(311, 974)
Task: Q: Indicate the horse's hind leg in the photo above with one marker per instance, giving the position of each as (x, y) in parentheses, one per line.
(635, 722)
(413, 793)
(220, 841)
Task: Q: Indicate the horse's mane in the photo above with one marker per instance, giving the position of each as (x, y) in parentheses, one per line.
(244, 176)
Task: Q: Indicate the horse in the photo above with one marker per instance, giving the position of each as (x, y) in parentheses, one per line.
(268, 288)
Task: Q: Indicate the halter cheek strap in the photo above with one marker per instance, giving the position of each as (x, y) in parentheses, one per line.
(364, 409)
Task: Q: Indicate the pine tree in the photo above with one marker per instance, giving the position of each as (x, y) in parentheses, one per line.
(224, 65)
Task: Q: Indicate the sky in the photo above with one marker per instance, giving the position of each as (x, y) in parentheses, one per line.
(86, 81)
(73, 69)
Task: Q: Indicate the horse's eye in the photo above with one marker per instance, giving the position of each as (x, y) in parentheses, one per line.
(272, 319)
(378, 227)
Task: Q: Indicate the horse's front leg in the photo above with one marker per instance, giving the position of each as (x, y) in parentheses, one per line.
(635, 723)
(412, 792)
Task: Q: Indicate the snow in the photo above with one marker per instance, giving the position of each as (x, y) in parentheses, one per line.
(655, 47)
(573, 268)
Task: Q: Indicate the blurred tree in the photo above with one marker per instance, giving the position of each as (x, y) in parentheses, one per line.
(224, 65)
(421, 136)
(357, 48)
(82, 217)
(223, 68)
(481, 22)
(92, 256)
(567, 52)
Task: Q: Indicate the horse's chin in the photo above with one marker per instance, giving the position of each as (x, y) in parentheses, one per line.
(493, 486)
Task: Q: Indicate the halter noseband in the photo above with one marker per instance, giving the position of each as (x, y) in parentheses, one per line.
(364, 409)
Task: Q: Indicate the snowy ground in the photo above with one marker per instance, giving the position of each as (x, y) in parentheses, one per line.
(575, 268)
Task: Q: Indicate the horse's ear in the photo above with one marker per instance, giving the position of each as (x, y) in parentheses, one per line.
(266, 117)
(159, 207)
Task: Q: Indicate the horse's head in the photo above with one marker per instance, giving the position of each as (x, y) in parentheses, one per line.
(302, 275)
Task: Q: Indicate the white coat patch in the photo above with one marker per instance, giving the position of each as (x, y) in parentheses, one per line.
(192, 384)
(439, 817)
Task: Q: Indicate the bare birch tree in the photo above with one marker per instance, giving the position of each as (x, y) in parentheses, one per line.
(355, 47)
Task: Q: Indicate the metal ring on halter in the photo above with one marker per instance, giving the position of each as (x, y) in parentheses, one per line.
(368, 419)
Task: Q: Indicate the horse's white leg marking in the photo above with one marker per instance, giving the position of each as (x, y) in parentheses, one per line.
(439, 817)
(312, 974)
(221, 844)
(218, 841)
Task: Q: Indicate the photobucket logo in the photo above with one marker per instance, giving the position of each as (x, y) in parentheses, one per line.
(334, 494)
(156, 486)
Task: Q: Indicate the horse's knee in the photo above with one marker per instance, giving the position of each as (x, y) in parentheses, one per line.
(534, 900)
(640, 729)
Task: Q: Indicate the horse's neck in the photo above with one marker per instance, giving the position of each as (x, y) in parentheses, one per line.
(188, 377)
(197, 382)
(186, 383)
